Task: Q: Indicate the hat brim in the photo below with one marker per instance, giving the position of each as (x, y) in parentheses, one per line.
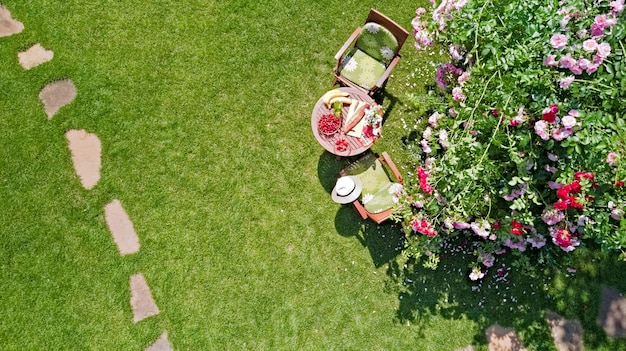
(358, 186)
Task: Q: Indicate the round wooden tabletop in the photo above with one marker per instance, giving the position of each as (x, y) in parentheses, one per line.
(329, 142)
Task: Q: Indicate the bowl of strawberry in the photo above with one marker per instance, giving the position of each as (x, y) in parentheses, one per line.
(328, 124)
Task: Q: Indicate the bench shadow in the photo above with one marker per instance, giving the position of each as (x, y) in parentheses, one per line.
(384, 241)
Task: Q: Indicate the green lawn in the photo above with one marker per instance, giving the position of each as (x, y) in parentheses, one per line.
(203, 109)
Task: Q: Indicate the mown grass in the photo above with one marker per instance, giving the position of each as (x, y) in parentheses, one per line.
(203, 110)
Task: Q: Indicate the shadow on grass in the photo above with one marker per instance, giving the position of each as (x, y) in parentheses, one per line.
(511, 297)
(384, 241)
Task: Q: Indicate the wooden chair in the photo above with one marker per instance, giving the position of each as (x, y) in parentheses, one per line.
(369, 55)
(379, 175)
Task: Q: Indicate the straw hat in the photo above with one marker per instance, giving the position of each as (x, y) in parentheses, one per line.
(347, 189)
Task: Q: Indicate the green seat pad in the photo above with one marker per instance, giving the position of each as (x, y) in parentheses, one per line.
(371, 171)
(381, 200)
(378, 189)
(362, 69)
(378, 42)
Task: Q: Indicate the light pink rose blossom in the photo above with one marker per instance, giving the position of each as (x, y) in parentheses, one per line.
(590, 45)
(583, 63)
(568, 121)
(617, 6)
(463, 78)
(565, 82)
(551, 61)
(562, 133)
(604, 50)
(592, 68)
(567, 61)
(457, 94)
(558, 41)
(611, 158)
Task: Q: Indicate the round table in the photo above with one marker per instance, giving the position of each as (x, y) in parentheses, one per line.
(355, 146)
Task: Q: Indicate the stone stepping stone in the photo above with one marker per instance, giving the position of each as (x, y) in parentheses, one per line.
(141, 299)
(503, 339)
(612, 316)
(567, 334)
(162, 344)
(34, 56)
(8, 25)
(85, 149)
(56, 95)
(121, 228)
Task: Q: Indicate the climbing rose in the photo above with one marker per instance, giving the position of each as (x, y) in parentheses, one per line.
(558, 41)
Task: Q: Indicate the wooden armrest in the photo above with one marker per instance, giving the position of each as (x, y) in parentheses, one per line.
(347, 45)
(385, 76)
(392, 166)
(360, 209)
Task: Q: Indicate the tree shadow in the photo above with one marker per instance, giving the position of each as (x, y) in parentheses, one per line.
(510, 296)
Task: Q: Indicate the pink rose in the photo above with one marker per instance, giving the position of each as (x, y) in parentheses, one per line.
(457, 94)
(597, 30)
(604, 50)
(463, 78)
(561, 133)
(568, 121)
(575, 68)
(617, 6)
(558, 41)
(564, 83)
(551, 61)
(590, 45)
(574, 113)
(567, 61)
(611, 158)
(583, 63)
(592, 68)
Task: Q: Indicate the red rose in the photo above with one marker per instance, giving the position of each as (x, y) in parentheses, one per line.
(549, 117)
(560, 205)
(563, 238)
(575, 187)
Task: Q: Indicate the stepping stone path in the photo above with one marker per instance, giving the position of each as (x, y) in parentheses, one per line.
(567, 334)
(86, 152)
(56, 95)
(503, 339)
(141, 299)
(9, 26)
(612, 316)
(34, 56)
(162, 344)
(86, 149)
(121, 228)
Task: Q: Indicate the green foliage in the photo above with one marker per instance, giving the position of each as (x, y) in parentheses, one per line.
(521, 120)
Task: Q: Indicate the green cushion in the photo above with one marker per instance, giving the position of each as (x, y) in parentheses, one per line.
(371, 171)
(381, 200)
(378, 42)
(362, 69)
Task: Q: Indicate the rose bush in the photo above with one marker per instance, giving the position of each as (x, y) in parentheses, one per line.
(528, 154)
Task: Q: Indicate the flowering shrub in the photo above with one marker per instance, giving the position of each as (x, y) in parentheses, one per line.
(528, 153)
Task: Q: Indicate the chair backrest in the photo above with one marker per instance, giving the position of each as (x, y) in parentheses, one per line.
(378, 42)
(398, 31)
